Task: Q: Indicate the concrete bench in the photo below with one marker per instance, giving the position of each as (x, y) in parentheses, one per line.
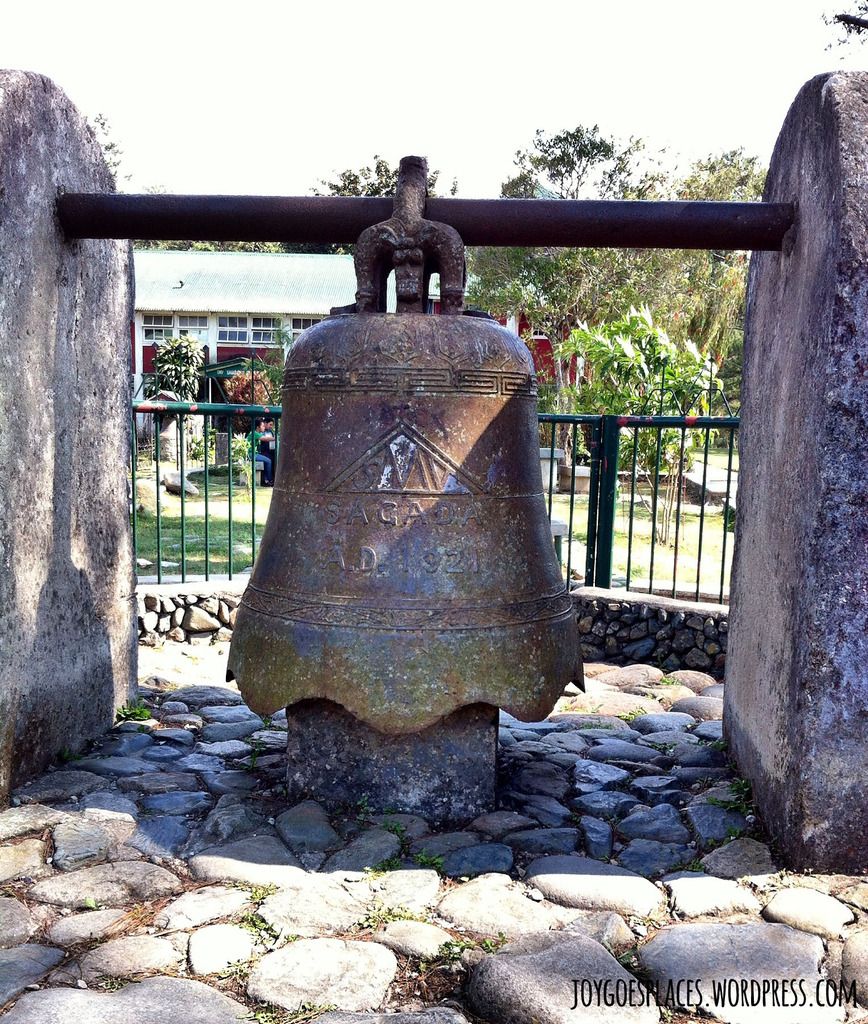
(559, 531)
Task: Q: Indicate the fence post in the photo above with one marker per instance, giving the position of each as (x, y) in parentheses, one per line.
(611, 433)
(593, 504)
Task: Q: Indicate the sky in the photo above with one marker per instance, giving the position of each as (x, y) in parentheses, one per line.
(266, 97)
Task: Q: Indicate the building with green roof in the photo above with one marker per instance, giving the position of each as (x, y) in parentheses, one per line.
(238, 304)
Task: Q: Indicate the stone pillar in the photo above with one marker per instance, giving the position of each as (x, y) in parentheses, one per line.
(169, 440)
(221, 448)
(67, 636)
(797, 670)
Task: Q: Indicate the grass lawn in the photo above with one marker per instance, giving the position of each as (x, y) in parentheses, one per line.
(248, 523)
(664, 554)
(719, 457)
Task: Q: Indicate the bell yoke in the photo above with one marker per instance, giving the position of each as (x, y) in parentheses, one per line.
(407, 569)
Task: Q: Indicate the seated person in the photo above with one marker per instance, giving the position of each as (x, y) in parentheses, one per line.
(268, 441)
(260, 437)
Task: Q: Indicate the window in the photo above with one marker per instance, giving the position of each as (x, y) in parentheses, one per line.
(232, 328)
(301, 323)
(193, 327)
(265, 330)
(158, 326)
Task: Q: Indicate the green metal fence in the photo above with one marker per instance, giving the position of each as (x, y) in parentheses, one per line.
(658, 515)
(647, 500)
(161, 532)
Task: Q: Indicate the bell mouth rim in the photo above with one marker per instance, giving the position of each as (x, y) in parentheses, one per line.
(522, 667)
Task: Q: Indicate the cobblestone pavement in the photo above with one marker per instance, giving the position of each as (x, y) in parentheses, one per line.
(164, 877)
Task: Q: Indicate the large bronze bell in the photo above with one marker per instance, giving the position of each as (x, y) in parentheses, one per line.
(407, 569)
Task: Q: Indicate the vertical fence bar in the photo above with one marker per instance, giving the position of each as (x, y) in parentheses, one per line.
(654, 494)
(602, 497)
(726, 510)
(593, 504)
(702, 514)
(158, 421)
(182, 430)
(206, 421)
(680, 485)
(632, 505)
(134, 458)
(229, 513)
(253, 450)
(574, 439)
(551, 470)
(608, 501)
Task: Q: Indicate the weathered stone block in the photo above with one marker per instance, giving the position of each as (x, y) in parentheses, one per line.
(640, 649)
(198, 620)
(67, 634)
(697, 659)
(443, 773)
(797, 674)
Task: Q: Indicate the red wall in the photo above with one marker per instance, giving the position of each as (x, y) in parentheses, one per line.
(540, 349)
(248, 351)
(223, 352)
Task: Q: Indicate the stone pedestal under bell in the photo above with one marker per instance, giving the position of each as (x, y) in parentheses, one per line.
(444, 773)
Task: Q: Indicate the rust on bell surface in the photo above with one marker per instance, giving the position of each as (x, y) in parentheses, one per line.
(407, 567)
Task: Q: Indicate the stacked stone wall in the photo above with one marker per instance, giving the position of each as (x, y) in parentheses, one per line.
(622, 627)
(188, 614)
(614, 625)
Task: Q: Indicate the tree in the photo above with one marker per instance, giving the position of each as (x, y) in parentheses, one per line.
(697, 294)
(700, 293)
(177, 368)
(637, 368)
(110, 147)
(557, 288)
(271, 366)
(381, 179)
(852, 25)
(578, 164)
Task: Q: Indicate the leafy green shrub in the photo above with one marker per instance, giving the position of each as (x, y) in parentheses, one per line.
(177, 368)
(196, 447)
(138, 712)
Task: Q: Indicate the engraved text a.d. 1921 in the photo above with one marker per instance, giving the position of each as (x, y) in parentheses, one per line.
(403, 558)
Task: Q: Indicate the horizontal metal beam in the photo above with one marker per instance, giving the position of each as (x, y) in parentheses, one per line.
(495, 222)
(724, 422)
(157, 405)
